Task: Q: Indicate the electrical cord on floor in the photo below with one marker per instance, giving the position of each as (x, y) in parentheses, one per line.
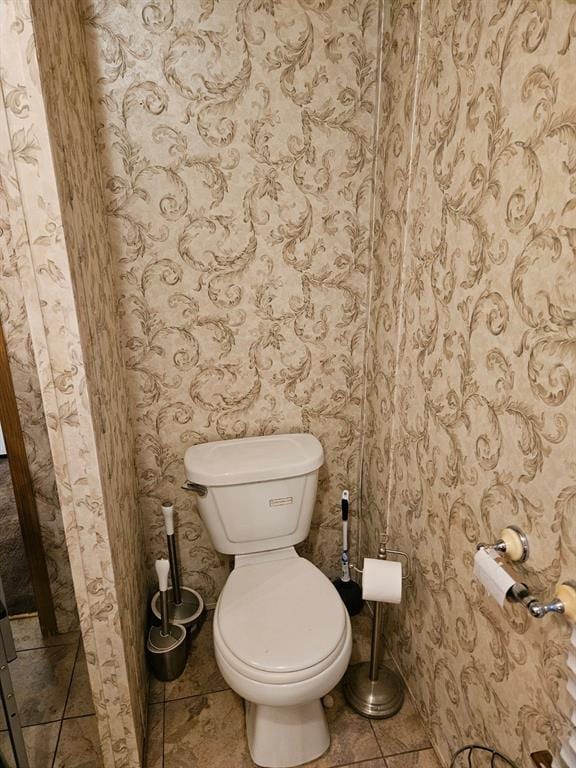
(481, 748)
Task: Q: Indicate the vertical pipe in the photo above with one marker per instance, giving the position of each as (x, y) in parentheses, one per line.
(165, 631)
(376, 641)
(377, 628)
(176, 596)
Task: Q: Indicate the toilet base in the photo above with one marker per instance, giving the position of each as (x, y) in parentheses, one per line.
(283, 737)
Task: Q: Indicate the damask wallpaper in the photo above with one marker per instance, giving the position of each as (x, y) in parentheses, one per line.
(28, 394)
(237, 144)
(70, 117)
(240, 143)
(471, 401)
(61, 254)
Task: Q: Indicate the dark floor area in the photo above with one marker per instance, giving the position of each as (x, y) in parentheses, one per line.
(13, 565)
(54, 699)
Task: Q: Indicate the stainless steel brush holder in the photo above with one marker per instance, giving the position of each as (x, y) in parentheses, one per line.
(187, 611)
(167, 654)
(374, 690)
(167, 645)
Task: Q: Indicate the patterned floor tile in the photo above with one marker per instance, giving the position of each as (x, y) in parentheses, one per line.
(155, 737)
(79, 745)
(402, 733)
(425, 758)
(206, 731)
(201, 674)
(40, 741)
(210, 730)
(352, 739)
(27, 635)
(156, 691)
(80, 700)
(41, 679)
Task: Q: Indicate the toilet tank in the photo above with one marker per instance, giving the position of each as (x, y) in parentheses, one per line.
(260, 490)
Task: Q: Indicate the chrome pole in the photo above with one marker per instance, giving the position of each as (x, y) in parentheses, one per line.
(377, 627)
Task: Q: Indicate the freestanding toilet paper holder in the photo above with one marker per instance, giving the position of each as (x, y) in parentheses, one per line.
(373, 689)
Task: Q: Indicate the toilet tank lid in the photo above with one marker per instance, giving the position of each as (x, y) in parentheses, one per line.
(253, 459)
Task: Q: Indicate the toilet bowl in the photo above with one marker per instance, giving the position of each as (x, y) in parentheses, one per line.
(282, 636)
(282, 641)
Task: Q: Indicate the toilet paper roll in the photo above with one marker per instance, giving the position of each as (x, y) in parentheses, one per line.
(489, 572)
(382, 580)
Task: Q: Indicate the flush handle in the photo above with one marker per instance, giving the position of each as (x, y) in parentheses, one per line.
(200, 490)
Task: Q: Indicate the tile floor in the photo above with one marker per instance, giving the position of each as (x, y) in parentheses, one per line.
(197, 721)
(193, 722)
(51, 684)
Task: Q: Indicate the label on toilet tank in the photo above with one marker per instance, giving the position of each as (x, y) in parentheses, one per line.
(284, 501)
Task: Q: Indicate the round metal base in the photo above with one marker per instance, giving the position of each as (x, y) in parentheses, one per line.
(373, 698)
(187, 613)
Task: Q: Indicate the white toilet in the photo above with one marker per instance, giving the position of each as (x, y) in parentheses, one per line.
(282, 635)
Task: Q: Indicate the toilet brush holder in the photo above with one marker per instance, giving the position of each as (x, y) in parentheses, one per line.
(188, 611)
(185, 605)
(167, 645)
(167, 654)
(373, 689)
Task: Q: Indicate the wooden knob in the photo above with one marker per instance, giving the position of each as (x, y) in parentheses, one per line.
(567, 593)
(516, 547)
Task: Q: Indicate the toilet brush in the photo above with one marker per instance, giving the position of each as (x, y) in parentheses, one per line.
(349, 591)
(185, 605)
(167, 645)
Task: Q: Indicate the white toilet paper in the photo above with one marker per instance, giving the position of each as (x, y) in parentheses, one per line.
(489, 572)
(382, 580)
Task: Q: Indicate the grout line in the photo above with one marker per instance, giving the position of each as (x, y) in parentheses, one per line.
(72, 676)
(194, 695)
(377, 739)
(80, 717)
(413, 752)
(409, 751)
(163, 734)
(44, 647)
(66, 702)
(364, 761)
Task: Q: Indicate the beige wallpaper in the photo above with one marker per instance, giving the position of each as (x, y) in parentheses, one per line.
(67, 293)
(70, 116)
(237, 145)
(397, 68)
(480, 388)
(27, 387)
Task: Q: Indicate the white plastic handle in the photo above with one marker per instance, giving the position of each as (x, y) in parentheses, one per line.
(162, 571)
(168, 512)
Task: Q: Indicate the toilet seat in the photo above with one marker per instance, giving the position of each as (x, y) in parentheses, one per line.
(279, 620)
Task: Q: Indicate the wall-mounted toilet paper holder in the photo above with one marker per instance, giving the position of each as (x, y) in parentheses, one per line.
(513, 544)
(563, 603)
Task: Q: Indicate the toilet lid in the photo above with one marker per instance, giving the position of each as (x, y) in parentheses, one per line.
(280, 616)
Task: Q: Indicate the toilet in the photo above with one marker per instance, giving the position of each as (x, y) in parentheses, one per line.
(282, 636)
